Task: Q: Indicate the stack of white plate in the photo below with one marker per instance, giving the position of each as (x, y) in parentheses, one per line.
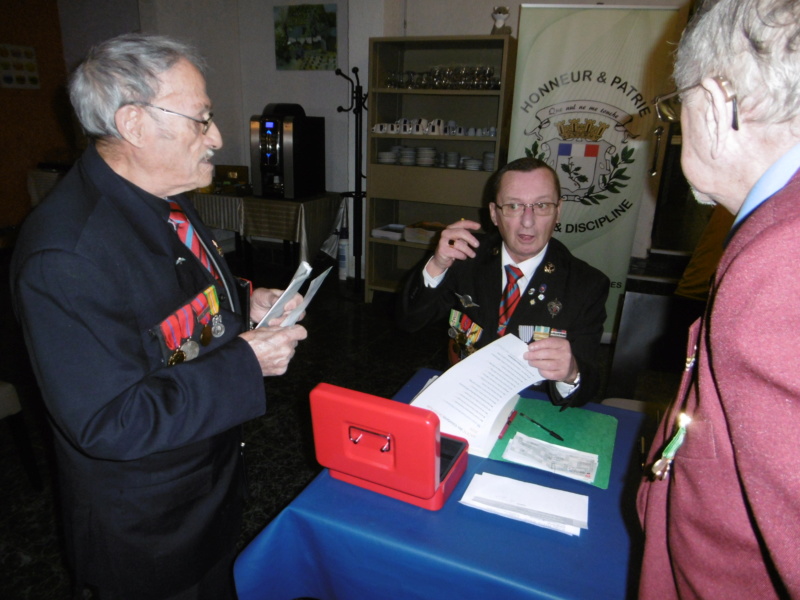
(426, 157)
(451, 160)
(473, 164)
(408, 157)
(488, 161)
(387, 158)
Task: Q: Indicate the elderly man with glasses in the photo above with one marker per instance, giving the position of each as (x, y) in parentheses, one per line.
(517, 280)
(140, 336)
(720, 508)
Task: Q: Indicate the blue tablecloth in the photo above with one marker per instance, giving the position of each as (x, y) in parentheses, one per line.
(338, 541)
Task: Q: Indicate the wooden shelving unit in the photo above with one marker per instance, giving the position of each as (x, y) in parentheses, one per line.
(397, 193)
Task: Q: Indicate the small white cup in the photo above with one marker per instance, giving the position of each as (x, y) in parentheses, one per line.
(419, 128)
(471, 131)
(434, 129)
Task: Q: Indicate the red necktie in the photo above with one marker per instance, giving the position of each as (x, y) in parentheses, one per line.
(510, 298)
(187, 235)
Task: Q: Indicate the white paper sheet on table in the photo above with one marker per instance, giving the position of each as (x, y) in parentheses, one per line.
(546, 507)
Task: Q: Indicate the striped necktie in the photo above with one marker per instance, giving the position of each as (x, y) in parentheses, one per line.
(510, 298)
(186, 233)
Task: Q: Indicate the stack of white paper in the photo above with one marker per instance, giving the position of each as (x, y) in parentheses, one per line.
(554, 509)
(474, 397)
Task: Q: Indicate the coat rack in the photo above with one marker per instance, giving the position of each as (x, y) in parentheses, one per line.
(358, 101)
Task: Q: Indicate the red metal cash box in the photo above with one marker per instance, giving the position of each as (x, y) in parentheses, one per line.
(386, 446)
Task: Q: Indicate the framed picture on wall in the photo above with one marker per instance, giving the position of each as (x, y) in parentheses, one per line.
(305, 37)
(18, 67)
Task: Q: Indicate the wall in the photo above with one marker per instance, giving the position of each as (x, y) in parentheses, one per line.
(237, 38)
(85, 23)
(36, 123)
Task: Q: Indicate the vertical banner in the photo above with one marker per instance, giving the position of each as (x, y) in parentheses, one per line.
(586, 77)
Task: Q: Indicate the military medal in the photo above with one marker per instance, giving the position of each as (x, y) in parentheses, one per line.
(554, 307)
(525, 333)
(466, 301)
(177, 358)
(190, 349)
(549, 268)
(464, 331)
(541, 332)
(175, 328)
(217, 326)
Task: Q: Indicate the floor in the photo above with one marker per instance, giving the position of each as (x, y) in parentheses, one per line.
(350, 343)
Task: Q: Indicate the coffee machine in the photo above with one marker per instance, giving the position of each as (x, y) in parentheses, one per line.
(287, 152)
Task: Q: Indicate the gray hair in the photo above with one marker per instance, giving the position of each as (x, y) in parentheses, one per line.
(754, 44)
(123, 70)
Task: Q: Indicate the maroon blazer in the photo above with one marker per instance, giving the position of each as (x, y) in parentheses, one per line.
(726, 521)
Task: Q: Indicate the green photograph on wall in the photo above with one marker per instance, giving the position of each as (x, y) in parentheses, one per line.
(305, 37)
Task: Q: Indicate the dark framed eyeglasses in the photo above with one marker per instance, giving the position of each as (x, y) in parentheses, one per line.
(540, 209)
(206, 123)
(668, 106)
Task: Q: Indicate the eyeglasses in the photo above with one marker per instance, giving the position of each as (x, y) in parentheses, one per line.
(540, 209)
(668, 106)
(205, 123)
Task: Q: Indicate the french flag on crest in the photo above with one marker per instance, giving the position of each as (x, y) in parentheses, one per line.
(579, 150)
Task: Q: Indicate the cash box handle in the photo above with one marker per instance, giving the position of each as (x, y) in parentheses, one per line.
(357, 433)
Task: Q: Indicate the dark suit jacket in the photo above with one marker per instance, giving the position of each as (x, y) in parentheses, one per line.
(724, 523)
(577, 289)
(147, 454)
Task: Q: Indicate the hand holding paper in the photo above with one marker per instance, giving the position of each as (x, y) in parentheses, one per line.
(302, 273)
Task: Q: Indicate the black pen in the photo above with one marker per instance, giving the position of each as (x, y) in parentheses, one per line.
(550, 431)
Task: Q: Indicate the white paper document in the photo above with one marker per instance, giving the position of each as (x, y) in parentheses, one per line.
(474, 397)
(292, 317)
(539, 454)
(546, 507)
(276, 310)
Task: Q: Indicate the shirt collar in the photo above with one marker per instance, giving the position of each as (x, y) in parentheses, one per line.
(773, 179)
(529, 266)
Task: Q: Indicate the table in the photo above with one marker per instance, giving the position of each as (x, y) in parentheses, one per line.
(338, 541)
(306, 221)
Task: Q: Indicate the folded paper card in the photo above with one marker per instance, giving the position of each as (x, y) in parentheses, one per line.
(554, 509)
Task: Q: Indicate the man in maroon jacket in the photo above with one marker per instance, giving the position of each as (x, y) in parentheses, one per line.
(721, 510)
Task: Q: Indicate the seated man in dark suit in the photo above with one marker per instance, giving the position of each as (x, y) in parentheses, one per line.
(558, 301)
(140, 335)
